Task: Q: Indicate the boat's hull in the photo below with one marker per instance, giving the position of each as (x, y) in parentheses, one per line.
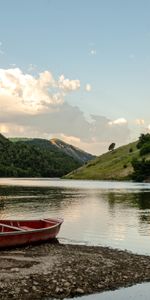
(29, 235)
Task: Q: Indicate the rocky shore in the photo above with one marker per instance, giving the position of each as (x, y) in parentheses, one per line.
(54, 270)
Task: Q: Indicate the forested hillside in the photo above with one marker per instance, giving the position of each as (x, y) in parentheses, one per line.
(56, 145)
(18, 159)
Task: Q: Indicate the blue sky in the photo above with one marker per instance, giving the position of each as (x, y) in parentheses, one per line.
(105, 44)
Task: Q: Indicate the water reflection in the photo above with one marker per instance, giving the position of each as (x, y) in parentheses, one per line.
(141, 200)
(113, 217)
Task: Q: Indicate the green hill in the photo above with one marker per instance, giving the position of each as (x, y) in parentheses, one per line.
(57, 146)
(29, 157)
(113, 165)
(20, 159)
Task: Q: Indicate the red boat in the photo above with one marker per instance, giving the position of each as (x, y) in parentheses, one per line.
(23, 232)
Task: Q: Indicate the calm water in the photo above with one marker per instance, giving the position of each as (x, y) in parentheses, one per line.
(138, 292)
(115, 214)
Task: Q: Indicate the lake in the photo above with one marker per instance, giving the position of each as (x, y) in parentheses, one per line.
(115, 214)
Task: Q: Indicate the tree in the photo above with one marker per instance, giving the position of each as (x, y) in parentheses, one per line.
(111, 147)
(143, 139)
(141, 169)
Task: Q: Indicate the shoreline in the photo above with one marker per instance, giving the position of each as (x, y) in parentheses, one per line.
(53, 270)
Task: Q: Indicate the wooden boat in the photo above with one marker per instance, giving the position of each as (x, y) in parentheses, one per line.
(23, 232)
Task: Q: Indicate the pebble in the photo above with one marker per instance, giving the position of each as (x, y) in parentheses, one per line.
(66, 284)
(72, 276)
(58, 290)
(35, 283)
(79, 291)
(15, 269)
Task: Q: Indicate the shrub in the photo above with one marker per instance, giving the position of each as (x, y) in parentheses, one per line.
(141, 169)
(145, 149)
(143, 139)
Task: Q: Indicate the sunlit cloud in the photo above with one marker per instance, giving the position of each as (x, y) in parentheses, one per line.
(139, 121)
(148, 127)
(70, 139)
(4, 128)
(88, 87)
(36, 106)
(104, 130)
(24, 92)
(67, 84)
(118, 121)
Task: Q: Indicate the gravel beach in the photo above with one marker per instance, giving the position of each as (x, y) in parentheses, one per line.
(54, 270)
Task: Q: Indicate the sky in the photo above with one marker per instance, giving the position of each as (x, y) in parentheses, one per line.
(77, 70)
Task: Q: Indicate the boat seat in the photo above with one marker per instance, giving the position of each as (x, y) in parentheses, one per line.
(25, 227)
(10, 226)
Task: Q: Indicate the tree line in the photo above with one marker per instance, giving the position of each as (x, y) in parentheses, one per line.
(23, 160)
(141, 166)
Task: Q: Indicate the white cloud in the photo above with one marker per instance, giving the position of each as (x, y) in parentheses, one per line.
(119, 121)
(35, 107)
(104, 130)
(4, 128)
(139, 121)
(46, 79)
(16, 130)
(24, 92)
(88, 87)
(70, 139)
(148, 127)
(67, 84)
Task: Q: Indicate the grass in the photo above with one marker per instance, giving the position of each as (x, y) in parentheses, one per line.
(113, 165)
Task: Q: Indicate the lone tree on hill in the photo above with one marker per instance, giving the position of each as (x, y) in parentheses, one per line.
(111, 147)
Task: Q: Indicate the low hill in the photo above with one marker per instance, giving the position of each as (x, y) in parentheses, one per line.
(56, 145)
(113, 165)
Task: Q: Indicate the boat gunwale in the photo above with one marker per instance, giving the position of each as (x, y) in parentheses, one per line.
(43, 229)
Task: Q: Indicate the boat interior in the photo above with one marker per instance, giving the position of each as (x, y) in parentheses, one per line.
(19, 225)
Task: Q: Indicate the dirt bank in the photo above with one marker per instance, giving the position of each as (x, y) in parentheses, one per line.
(59, 271)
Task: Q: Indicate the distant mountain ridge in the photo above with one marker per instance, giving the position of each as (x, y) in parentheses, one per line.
(37, 158)
(58, 145)
(73, 151)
